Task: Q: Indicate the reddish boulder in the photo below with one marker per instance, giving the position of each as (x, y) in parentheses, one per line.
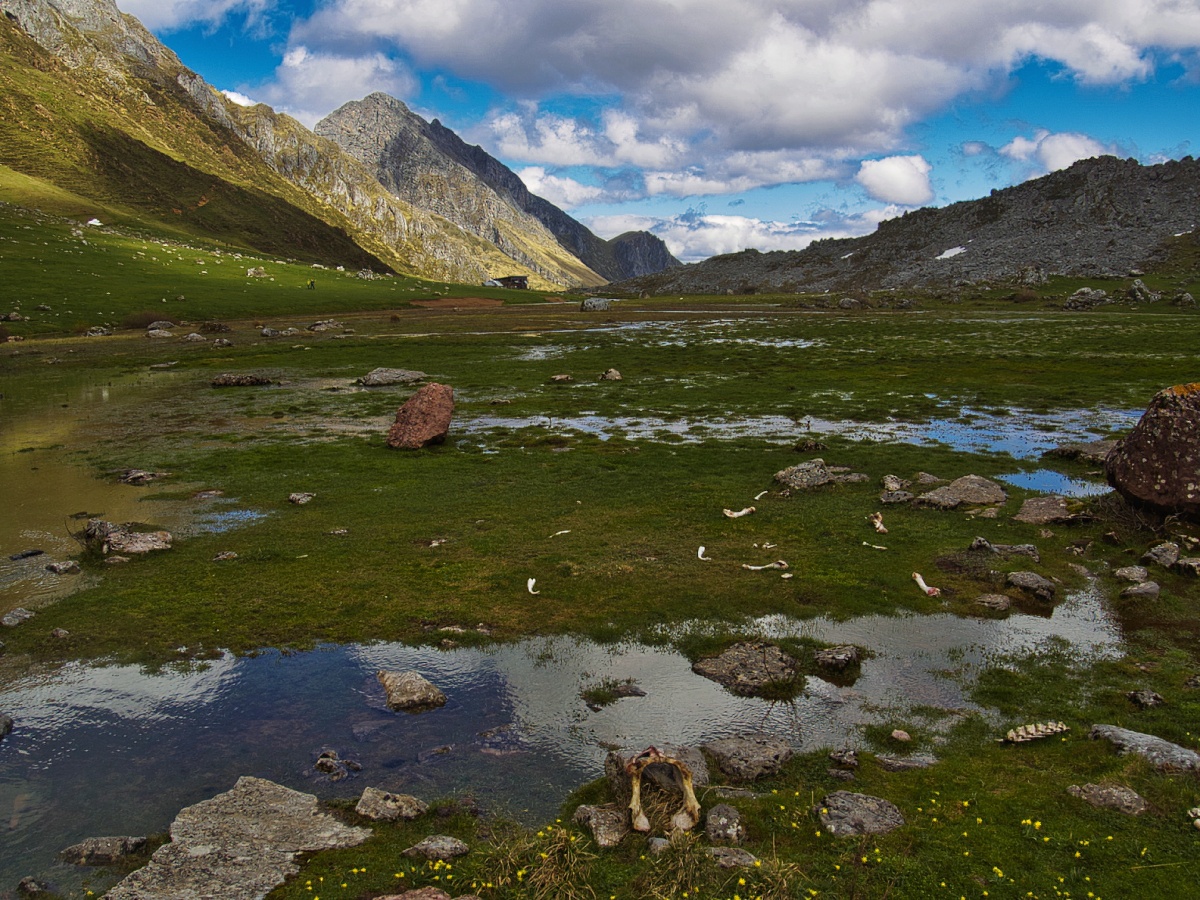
(1158, 464)
(424, 419)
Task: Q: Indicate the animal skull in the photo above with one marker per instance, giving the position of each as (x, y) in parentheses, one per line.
(688, 815)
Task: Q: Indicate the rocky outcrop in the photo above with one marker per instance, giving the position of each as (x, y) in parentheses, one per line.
(1100, 217)
(1158, 464)
(424, 419)
(239, 845)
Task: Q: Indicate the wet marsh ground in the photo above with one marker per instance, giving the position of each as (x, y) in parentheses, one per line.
(603, 492)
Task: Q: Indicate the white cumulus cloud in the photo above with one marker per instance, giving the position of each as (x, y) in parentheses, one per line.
(897, 179)
(168, 14)
(239, 98)
(1049, 152)
(565, 193)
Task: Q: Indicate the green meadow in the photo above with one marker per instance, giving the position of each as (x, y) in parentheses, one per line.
(603, 491)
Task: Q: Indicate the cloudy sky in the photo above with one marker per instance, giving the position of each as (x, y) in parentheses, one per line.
(726, 124)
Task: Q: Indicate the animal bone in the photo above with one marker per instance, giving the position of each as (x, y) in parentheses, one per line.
(1034, 732)
(529, 586)
(778, 564)
(737, 515)
(688, 815)
(929, 591)
(700, 554)
(873, 546)
(876, 519)
(557, 533)
(787, 575)
(760, 495)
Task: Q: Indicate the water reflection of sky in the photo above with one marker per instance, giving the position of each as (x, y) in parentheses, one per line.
(117, 750)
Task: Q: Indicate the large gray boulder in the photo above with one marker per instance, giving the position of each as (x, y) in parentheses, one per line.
(1158, 464)
(843, 813)
(750, 756)
(1159, 753)
(239, 845)
(970, 490)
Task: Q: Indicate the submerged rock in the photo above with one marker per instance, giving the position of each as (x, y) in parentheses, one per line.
(748, 668)
(1158, 463)
(410, 691)
(102, 851)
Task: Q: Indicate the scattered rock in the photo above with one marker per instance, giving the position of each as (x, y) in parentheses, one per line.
(300, 498)
(98, 331)
(901, 735)
(243, 379)
(140, 476)
(610, 375)
(724, 825)
(561, 378)
(383, 806)
(897, 497)
(160, 325)
(1193, 681)
(425, 893)
(837, 658)
(102, 851)
(926, 478)
(1158, 463)
(256, 272)
(846, 757)
(595, 304)
(1032, 583)
(1110, 796)
(1147, 590)
(383, 377)
(1165, 554)
(222, 342)
(438, 846)
(158, 334)
(891, 483)
(1006, 549)
(997, 602)
(905, 763)
(733, 857)
(1044, 511)
(239, 845)
(15, 617)
(194, 338)
(843, 813)
(410, 691)
(1136, 574)
(1188, 566)
(815, 473)
(1162, 754)
(330, 763)
(1093, 452)
(747, 668)
(225, 556)
(751, 756)
(424, 419)
(270, 332)
(1145, 699)
(60, 634)
(6, 725)
(31, 887)
(214, 328)
(608, 824)
(971, 490)
(1086, 298)
(69, 567)
(1139, 293)
(325, 325)
(657, 845)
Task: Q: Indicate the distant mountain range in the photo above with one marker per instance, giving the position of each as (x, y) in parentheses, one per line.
(1100, 217)
(96, 114)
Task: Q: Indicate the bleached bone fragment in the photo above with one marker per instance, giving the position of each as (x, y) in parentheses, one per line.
(729, 513)
(786, 575)
(700, 554)
(929, 591)
(1034, 732)
(760, 495)
(876, 520)
(778, 564)
(557, 533)
(529, 586)
(688, 815)
(873, 546)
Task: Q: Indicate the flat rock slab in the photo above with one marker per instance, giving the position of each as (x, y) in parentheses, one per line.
(383, 377)
(1032, 583)
(815, 473)
(1110, 796)
(1159, 753)
(1094, 452)
(843, 813)
(747, 668)
(970, 490)
(837, 658)
(1147, 590)
(905, 763)
(410, 691)
(438, 846)
(424, 419)
(751, 756)
(1044, 511)
(239, 845)
(608, 824)
(384, 806)
(102, 851)
(240, 380)
(733, 857)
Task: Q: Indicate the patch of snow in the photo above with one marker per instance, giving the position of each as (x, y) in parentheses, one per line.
(953, 251)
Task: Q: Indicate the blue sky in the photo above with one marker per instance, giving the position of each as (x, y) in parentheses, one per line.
(726, 124)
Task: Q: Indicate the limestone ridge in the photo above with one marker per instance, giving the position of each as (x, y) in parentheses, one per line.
(626, 256)
(395, 145)
(1099, 217)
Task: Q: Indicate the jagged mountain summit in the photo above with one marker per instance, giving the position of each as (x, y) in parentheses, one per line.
(94, 108)
(431, 167)
(1100, 217)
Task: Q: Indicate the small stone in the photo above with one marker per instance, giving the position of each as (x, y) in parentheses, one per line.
(69, 567)
(224, 556)
(1193, 681)
(31, 887)
(608, 824)
(1165, 554)
(723, 825)
(1145, 699)
(1147, 590)
(896, 497)
(383, 806)
(610, 375)
(846, 757)
(926, 478)
(6, 725)
(1188, 566)
(1110, 796)
(410, 691)
(732, 857)
(15, 617)
(1044, 511)
(300, 498)
(60, 633)
(891, 483)
(905, 763)
(840, 774)
(1032, 583)
(657, 845)
(243, 379)
(438, 846)
(903, 736)
(561, 378)
(1136, 574)
(837, 658)
(997, 602)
